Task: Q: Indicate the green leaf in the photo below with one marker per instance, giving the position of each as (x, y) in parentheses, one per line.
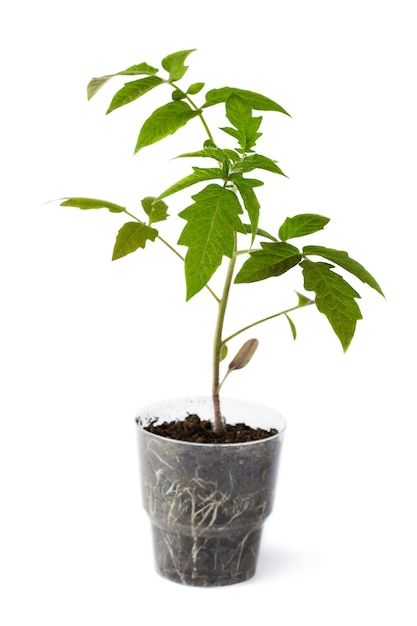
(255, 100)
(199, 175)
(260, 232)
(156, 211)
(163, 122)
(133, 90)
(223, 352)
(91, 203)
(218, 154)
(342, 259)
(195, 88)
(335, 298)
(292, 326)
(140, 68)
(245, 187)
(273, 260)
(239, 113)
(96, 83)
(257, 161)
(174, 64)
(212, 222)
(177, 94)
(303, 300)
(244, 355)
(301, 225)
(131, 236)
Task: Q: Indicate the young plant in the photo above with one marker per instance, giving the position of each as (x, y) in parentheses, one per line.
(223, 218)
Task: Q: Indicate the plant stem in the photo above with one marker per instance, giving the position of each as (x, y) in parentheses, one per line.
(168, 245)
(265, 319)
(203, 121)
(182, 259)
(218, 420)
(196, 108)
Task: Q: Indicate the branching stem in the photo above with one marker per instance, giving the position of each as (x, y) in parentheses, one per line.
(196, 108)
(266, 319)
(168, 245)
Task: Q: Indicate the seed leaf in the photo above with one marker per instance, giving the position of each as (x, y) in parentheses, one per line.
(255, 100)
(131, 236)
(273, 260)
(91, 203)
(244, 355)
(300, 225)
(343, 259)
(209, 234)
(133, 90)
(335, 298)
(163, 122)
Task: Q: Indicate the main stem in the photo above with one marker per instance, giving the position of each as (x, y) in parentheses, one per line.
(217, 345)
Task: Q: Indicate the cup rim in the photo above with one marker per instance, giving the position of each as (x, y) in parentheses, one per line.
(147, 409)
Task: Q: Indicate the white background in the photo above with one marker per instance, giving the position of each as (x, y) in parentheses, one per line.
(86, 342)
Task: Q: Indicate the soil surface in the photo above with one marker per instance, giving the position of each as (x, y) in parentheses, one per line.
(194, 429)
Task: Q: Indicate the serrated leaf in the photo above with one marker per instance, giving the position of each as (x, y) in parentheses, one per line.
(239, 113)
(174, 64)
(244, 355)
(209, 234)
(133, 90)
(255, 100)
(257, 161)
(96, 83)
(273, 260)
(218, 154)
(301, 225)
(335, 298)
(342, 259)
(199, 175)
(231, 131)
(292, 326)
(131, 236)
(195, 88)
(245, 187)
(91, 203)
(163, 122)
(157, 211)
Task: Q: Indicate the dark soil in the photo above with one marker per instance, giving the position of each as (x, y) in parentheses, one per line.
(192, 428)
